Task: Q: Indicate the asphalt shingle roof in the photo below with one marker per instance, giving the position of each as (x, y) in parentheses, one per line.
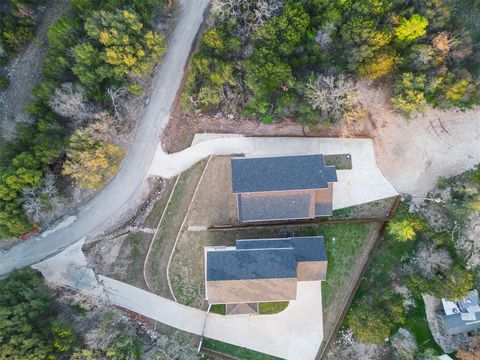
(310, 248)
(299, 172)
(281, 207)
(454, 324)
(252, 264)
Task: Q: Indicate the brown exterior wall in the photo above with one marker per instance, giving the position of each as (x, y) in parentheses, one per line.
(312, 270)
(247, 291)
(324, 195)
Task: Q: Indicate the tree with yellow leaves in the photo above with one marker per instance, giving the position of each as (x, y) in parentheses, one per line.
(118, 47)
(90, 160)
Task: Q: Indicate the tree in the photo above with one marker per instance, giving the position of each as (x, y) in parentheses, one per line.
(380, 65)
(404, 345)
(430, 259)
(471, 352)
(118, 47)
(405, 229)
(369, 325)
(453, 283)
(27, 321)
(409, 94)
(411, 29)
(70, 102)
(335, 97)
(90, 161)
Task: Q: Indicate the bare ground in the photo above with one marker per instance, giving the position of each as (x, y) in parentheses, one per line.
(412, 154)
(182, 127)
(25, 73)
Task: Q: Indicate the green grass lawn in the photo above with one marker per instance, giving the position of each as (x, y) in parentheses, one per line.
(219, 309)
(235, 351)
(343, 242)
(272, 307)
(416, 323)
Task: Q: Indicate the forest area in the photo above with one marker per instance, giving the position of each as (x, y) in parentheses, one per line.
(38, 322)
(270, 59)
(430, 252)
(99, 54)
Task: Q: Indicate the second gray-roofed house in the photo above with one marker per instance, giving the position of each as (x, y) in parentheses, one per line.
(283, 187)
(463, 315)
(263, 270)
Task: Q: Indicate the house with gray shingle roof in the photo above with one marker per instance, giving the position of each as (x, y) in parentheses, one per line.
(263, 270)
(461, 316)
(283, 187)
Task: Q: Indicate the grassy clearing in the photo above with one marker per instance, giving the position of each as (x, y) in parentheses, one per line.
(340, 161)
(235, 351)
(267, 308)
(169, 228)
(220, 309)
(343, 242)
(128, 266)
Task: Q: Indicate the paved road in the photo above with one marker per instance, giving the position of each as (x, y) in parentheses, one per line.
(129, 186)
(295, 333)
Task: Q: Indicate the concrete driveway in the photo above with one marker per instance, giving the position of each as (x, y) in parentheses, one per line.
(296, 333)
(362, 184)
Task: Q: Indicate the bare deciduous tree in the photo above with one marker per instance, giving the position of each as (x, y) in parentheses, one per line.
(105, 127)
(115, 95)
(39, 203)
(324, 35)
(404, 345)
(336, 97)
(430, 259)
(70, 102)
(248, 14)
(172, 347)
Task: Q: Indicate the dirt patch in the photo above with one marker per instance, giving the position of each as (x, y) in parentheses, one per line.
(379, 209)
(347, 348)
(414, 153)
(181, 129)
(24, 73)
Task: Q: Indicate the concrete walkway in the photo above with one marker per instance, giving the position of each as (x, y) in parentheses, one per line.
(295, 333)
(362, 184)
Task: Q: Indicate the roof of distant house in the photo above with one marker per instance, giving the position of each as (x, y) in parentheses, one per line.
(282, 173)
(463, 315)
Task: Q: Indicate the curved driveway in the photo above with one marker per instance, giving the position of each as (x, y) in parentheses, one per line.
(129, 186)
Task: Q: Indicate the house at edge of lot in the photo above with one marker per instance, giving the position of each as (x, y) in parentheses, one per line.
(283, 187)
(461, 316)
(262, 270)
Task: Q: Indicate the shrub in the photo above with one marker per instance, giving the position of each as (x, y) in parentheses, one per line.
(4, 83)
(405, 229)
(409, 94)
